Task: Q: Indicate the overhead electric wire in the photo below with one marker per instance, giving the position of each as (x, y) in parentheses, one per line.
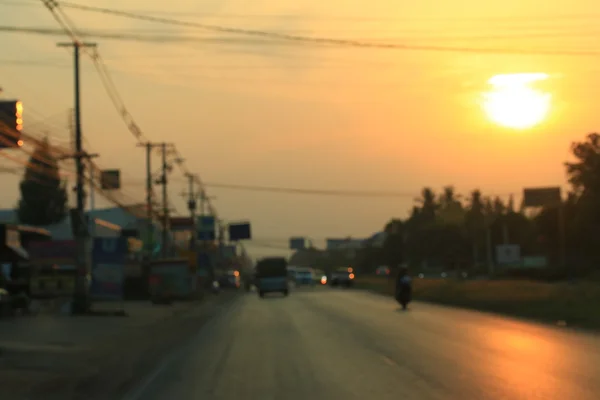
(39, 169)
(326, 192)
(70, 30)
(321, 192)
(321, 40)
(163, 38)
(352, 18)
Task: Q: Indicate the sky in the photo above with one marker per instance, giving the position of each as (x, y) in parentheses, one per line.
(253, 111)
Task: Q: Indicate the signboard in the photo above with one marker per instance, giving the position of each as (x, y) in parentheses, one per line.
(13, 238)
(181, 224)
(541, 197)
(204, 261)
(110, 179)
(108, 268)
(53, 252)
(174, 277)
(508, 254)
(240, 231)
(134, 233)
(335, 244)
(206, 227)
(297, 243)
(228, 252)
(11, 123)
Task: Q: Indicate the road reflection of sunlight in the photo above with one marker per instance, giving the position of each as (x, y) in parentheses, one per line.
(524, 365)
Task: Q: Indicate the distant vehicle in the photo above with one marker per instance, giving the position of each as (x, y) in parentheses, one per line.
(272, 276)
(342, 277)
(382, 271)
(304, 276)
(230, 280)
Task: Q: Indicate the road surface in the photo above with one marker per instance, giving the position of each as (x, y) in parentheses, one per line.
(336, 344)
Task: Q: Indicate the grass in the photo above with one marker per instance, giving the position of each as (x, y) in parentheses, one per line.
(575, 304)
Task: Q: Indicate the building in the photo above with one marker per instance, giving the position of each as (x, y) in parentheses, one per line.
(107, 222)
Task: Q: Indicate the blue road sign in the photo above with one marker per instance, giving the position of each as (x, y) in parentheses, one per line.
(206, 227)
(108, 268)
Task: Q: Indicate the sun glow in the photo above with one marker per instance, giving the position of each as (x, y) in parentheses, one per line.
(513, 103)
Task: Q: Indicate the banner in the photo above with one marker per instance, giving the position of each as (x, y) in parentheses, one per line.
(108, 268)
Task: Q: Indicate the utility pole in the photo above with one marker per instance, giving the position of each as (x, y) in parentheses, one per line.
(192, 207)
(165, 168)
(149, 195)
(165, 199)
(204, 200)
(81, 298)
(92, 191)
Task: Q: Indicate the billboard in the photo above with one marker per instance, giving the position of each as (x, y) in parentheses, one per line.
(204, 260)
(108, 268)
(181, 224)
(297, 243)
(541, 197)
(173, 277)
(337, 244)
(229, 252)
(53, 252)
(508, 254)
(240, 231)
(205, 227)
(110, 179)
(11, 123)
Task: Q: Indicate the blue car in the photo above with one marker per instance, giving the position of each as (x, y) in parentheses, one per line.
(272, 276)
(304, 276)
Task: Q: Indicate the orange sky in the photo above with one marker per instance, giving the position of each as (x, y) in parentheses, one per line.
(303, 115)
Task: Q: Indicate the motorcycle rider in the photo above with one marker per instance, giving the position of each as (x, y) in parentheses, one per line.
(403, 285)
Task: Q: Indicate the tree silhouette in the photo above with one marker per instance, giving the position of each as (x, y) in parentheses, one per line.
(444, 230)
(43, 195)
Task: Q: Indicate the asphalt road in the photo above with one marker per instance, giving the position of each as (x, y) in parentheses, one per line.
(336, 344)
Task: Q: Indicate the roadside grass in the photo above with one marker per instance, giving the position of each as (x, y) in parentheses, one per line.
(573, 304)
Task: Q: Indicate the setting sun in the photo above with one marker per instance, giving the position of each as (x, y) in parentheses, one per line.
(513, 103)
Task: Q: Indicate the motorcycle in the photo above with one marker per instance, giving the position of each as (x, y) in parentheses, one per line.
(404, 295)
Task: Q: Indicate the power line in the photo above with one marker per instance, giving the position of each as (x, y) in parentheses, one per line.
(161, 37)
(322, 192)
(325, 192)
(111, 88)
(350, 18)
(323, 40)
